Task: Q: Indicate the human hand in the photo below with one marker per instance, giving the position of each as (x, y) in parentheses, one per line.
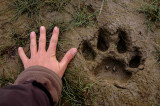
(46, 58)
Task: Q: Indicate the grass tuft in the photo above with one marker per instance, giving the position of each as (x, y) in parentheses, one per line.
(76, 89)
(151, 10)
(82, 17)
(28, 7)
(57, 5)
(75, 93)
(33, 7)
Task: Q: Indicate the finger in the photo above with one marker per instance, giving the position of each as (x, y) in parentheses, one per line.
(42, 39)
(53, 42)
(33, 44)
(67, 58)
(22, 55)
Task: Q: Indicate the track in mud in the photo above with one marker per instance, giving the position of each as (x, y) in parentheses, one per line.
(112, 67)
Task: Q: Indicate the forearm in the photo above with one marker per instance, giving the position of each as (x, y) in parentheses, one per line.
(50, 80)
(35, 86)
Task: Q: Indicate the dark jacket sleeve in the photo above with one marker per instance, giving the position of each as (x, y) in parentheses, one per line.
(48, 83)
(28, 94)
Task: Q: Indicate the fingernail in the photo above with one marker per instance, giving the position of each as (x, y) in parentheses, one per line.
(55, 28)
(42, 28)
(32, 34)
(73, 51)
(19, 48)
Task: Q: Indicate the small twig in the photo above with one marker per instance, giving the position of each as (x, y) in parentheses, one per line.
(101, 7)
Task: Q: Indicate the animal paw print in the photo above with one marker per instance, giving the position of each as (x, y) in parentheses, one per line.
(113, 66)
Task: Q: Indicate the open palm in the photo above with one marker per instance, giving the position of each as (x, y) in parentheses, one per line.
(46, 58)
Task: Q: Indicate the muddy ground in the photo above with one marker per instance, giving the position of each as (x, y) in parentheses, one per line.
(117, 53)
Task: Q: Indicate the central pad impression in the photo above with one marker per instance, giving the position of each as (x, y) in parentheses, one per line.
(112, 70)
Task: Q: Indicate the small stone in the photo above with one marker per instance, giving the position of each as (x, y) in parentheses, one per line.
(106, 67)
(114, 69)
(141, 67)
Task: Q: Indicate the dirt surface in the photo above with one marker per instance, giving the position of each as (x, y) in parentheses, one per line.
(118, 56)
(117, 53)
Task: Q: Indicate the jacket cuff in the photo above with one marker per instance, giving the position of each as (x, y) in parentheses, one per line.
(46, 77)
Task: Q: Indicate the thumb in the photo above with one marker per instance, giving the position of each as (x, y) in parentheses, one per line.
(67, 58)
